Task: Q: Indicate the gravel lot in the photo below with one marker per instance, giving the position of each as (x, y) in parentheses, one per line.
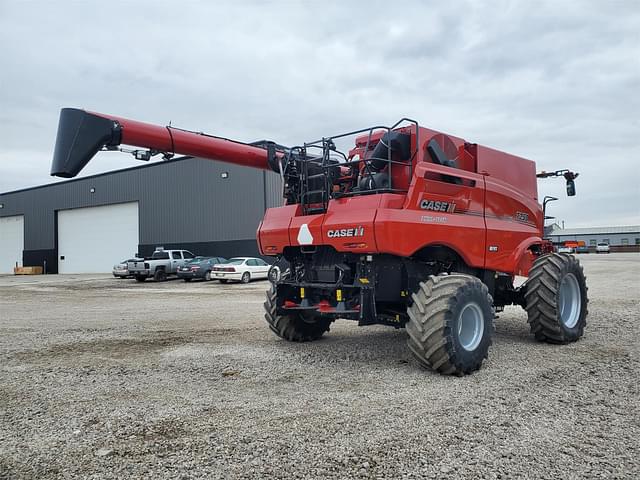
(106, 378)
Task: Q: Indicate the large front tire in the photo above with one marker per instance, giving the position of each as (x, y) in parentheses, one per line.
(295, 327)
(556, 299)
(450, 324)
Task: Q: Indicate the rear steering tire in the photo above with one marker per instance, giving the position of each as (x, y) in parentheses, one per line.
(294, 327)
(556, 299)
(450, 324)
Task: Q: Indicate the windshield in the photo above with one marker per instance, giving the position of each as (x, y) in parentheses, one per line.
(236, 261)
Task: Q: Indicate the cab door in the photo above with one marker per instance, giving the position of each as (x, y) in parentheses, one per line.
(176, 261)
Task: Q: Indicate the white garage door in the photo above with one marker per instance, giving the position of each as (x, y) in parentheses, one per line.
(11, 242)
(93, 239)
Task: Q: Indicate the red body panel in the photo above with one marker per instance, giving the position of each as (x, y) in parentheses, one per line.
(491, 219)
(313, 226)
(517, 172)
(404, 232)
(352, 215)
(273, 232)
(513, 225)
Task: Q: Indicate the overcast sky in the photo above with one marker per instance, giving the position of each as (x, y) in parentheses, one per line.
(557, 82)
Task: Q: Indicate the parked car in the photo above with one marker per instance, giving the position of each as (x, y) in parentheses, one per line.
(565, 249)
(241, 269)
(159, 265)
(582, 249)
(199, 267)
(603, 248)
(121, 270)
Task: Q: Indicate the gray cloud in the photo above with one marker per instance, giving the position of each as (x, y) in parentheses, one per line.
(556, 82)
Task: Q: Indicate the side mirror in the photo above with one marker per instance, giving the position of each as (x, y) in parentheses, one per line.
(571, 187)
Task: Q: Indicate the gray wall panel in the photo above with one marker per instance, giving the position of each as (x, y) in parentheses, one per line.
(183, 200)
(198, 205)
(273, 190)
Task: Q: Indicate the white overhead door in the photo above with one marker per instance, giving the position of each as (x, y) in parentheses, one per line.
(93, 239)
(11, 242)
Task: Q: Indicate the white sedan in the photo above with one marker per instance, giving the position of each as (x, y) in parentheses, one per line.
(241, 269)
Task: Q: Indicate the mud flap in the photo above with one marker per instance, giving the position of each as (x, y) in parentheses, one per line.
(368, 313)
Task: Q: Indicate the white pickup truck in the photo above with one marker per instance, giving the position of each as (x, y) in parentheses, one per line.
(159, 265)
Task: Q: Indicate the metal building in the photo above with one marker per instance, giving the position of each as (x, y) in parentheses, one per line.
(86, 225)
(620, 239)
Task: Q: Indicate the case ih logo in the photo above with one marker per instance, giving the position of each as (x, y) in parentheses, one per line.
(437, 206)
(346, 232)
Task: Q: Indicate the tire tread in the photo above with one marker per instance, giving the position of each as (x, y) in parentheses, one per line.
(541, 298)
(292, 327)
(430, 323)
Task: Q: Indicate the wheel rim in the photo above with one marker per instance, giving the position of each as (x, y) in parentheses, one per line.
(569, 300)
(272, 275)
(245, 278)
(470, 326)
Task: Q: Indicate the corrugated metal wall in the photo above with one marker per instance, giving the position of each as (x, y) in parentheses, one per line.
(182, 200)
(273, 189)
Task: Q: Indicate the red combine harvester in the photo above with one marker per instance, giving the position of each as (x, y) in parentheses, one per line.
(409, 228)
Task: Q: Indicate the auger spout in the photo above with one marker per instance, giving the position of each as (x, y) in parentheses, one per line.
(82, 134)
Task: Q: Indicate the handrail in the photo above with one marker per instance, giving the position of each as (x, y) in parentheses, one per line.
(326, 162)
